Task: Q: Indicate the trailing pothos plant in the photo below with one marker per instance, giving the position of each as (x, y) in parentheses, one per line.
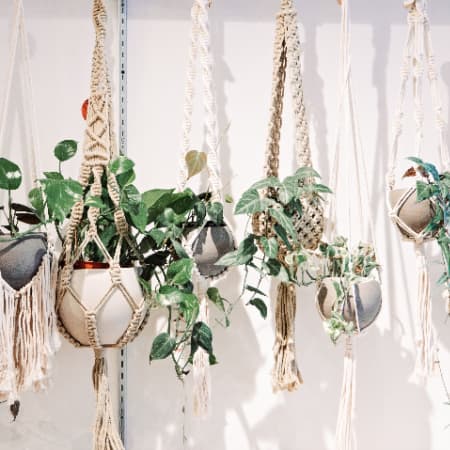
(347, 268)
(435, 186)
(50, 202)
(278, 252)
(168, 268)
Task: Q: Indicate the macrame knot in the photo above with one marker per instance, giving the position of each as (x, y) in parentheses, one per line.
(416, 17)
(92, 332)
(121, 222)
(116, 273)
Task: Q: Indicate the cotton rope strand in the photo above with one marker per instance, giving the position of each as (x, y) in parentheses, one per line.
(28, 334)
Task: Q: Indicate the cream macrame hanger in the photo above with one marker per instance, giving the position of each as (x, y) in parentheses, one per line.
(418, 60)
(18, 34)
(200, 49)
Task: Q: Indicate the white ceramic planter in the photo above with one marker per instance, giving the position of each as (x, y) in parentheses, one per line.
(21, 258)
(114, 314)
(208, 246)
(417, 215)
(367, 298)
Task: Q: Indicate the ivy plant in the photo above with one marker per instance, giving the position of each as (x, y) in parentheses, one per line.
(435, 186)
(168, 268)
(278, 253)
(50, 202)
(347, 268)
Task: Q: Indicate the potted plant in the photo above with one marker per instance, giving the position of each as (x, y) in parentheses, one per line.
(105, 277)
(186, 234)
(434, 187)
(349, 294)
(21, 251)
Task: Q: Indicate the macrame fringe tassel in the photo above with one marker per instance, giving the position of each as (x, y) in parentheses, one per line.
(286, 375)
(345, 439)
(28, 333)
(426, 345)
(201, 371)
(106, 435)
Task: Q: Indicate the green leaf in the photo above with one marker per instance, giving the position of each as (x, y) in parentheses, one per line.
(153, 197)
(306, 172)
(189, 307)
(158, 236)
(242, 255)
(36, 198)
(215, 212)
(230, 259)
(139, 217)
(251, 203)
(65, 150)
(61, 196)
(284, 221)
(195, 162)
(94, 201)
(288, 190)
(321, 188)
(163, 346)
(10, 175)
(270, 246)
(260, 306)
(424, 191)
(180, 272)
(256, 290)
(179, 249)
(270, 182)
(214, 295)
(281, 232)
(133, 195)
(415, 160)
(121, 165)
(53, 176)
(169, 295)
(228, 198)
(201, 338)
(273, 267)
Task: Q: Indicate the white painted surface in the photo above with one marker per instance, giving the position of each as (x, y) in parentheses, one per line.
(391, 413)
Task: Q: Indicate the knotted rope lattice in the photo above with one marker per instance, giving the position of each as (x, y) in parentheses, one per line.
(309, 226)
(28, 335)
(348, 124)
(418, 61)
(200, 53)
(99, 149)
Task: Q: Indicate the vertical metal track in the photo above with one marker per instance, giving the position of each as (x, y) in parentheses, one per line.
(123, 17)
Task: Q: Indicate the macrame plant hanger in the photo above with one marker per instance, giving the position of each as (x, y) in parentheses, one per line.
(347, 121)
(99, 150)
(418, 59)
(200, 52)
(28, 334)
(287, 59)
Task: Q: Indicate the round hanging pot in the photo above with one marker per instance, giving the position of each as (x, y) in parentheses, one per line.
(92, 289)
(366, 295)
(410, 212)
(208, 245)
(21, 258)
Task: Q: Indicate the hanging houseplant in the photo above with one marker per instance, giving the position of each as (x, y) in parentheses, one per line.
(28, 263)
(102, 307)
(287, 216)
(349, 293)
(415, 213)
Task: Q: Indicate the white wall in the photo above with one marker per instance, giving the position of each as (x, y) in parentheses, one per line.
(391, 412)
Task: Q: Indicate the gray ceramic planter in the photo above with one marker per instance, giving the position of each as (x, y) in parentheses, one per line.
(209, 245)
(417, 215)
(20, 258)
(367, 295)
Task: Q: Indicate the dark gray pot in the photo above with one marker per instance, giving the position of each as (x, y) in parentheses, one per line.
(209, 245)
(20, 258)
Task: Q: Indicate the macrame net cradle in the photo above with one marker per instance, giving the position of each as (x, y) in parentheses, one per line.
(200, 53)
(99, 149)
(310, 225)
(28, 334)
(418, 59)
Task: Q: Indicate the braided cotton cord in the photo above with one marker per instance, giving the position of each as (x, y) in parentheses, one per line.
(287, 54)
(200, 47)
(18, 32)
(418, 53)
(98, 150)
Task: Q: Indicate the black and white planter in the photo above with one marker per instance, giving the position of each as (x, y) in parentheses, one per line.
(208, 245)
(96, 293)
(416, 215)
(365, 295)
(21, 258)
